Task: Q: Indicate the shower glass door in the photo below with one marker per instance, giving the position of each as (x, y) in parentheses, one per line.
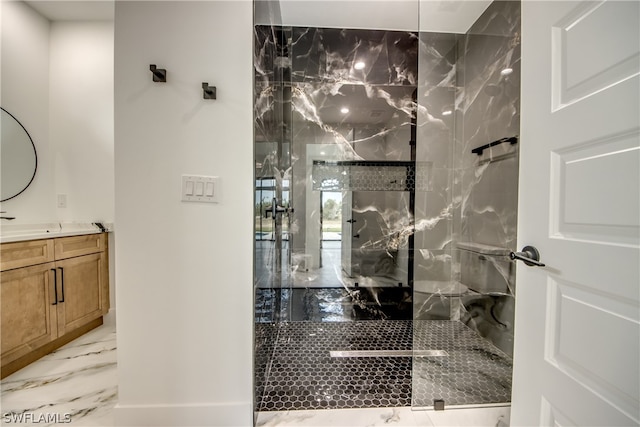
(468, 96)
(386, 121)
(333, 117)
(351, 124)
(335, 114)
(272, 159)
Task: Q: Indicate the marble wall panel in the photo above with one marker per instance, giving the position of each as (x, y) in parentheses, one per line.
(304, 78)
(486, 186)
(329, 55)
(434, 208)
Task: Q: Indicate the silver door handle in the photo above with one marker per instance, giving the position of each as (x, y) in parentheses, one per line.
(529, 255)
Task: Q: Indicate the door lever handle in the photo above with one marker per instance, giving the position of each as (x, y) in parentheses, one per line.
(529, 255)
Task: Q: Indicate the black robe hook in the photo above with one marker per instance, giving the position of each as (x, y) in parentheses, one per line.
(159, 74)
(208, 92)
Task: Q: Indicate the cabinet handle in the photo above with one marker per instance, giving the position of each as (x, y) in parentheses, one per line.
(62, 282)
(55, 287)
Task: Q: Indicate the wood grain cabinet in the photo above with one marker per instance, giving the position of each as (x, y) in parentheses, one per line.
(28, 315)
(52, 291)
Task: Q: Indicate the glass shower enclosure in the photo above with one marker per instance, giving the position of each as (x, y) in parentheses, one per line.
(372, 213)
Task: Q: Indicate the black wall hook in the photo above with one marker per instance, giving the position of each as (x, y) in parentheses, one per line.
(208, 92)
(159, 74)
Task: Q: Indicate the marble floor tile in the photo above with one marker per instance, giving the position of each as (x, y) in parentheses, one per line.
(79, 381)
(370, 417)
(74, 385)
(401, 417)
(471, 417)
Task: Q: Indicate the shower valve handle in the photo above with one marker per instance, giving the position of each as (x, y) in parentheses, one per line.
(275, 209)
(529, 255)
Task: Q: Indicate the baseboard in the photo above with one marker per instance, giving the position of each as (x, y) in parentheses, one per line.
(200, 415)
(110, 317)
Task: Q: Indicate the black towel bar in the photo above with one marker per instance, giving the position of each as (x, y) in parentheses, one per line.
(511, 140)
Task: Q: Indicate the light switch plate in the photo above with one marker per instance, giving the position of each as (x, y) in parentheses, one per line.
(198, 188)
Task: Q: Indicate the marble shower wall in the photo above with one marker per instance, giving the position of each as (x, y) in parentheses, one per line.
(486, 186)
(378, 96)
(299, 97)
(435, 141)
(434, 293)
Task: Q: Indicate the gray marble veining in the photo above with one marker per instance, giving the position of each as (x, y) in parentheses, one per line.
(488, 105)
(74, 385)
(302, 97)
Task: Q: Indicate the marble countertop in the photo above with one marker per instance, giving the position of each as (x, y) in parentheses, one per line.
(22, 232)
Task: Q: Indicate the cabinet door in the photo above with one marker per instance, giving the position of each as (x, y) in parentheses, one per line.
(81, 289)
(27, 314)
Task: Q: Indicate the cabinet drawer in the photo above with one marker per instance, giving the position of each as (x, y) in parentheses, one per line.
(22, 254)
(69, 247)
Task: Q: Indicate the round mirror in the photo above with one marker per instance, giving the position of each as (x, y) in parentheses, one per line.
(18, 157)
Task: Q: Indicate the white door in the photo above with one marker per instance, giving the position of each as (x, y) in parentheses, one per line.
(576, 356)
(347, 231)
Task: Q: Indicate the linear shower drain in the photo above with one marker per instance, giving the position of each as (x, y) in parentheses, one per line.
(389, 353)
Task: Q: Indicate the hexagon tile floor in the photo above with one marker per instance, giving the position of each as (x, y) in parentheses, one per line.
(297, 371)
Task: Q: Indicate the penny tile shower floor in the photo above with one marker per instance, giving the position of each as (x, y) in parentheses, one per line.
(454, 365)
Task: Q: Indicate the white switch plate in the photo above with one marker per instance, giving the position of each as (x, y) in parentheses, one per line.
(198, 188)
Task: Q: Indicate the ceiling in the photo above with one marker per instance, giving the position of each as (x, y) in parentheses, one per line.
(440, 16)
(450, 16)
(80, 10)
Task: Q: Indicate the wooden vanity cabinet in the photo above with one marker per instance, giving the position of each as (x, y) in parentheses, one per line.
(82, 290)
(52, 291)
(29, 319)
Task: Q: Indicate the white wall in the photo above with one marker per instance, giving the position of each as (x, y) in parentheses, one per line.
(81, 118)
(25, 94)
(379, 14)
(450, 16)
(184, 276)
(57, 79)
